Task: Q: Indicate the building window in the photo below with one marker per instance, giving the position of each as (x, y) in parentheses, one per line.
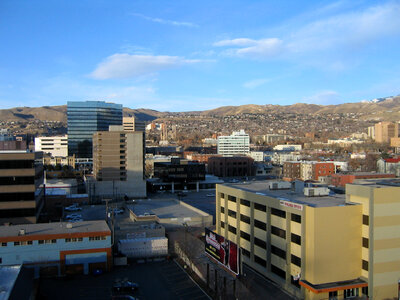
(278, 271)
(260, 243)
(222, 210)
(296, 260)
(245, 219)
(232, 213)
(296, 218)
(3, 244)
(365, 242)
(333, 295)
(260, 207)
(222, 224)
(97, 238)
(364, 290)
(232, 229)
(365, 265)
(260, 225)
(245, 252)
(350, 293)
(278, 252)
(222, 195)
(278, 232)
(231, 198)
(260, 261)
(245, 235)
(72, 240)
(295, 239)
(278, 213)
(295, 282)
(16, 243)
(365, 220)
(245, 202)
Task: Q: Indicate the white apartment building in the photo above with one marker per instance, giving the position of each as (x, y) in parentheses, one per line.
(57, 248)
(287, 147)
(279, 158)
(55, 145)
(257, 155)
(236, 143)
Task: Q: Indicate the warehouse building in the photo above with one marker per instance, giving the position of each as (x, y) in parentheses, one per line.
(317, 247)
(57, 248)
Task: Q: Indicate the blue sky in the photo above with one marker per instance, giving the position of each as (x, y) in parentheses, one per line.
(196, 55)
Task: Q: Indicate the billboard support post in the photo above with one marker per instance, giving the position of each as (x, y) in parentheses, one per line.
(216, 281)
(234, 288)
(208, 275)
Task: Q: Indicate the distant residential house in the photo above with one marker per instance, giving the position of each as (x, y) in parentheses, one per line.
(389, 165)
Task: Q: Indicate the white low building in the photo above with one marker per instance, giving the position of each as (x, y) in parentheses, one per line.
(57, 248)
(288, 147)
(57, 146)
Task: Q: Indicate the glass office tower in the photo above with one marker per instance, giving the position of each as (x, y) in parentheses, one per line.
(86, 118)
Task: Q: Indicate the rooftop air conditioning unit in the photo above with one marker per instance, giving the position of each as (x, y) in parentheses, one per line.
(316, 191)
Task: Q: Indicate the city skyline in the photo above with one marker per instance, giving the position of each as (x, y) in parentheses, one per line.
(185, 56)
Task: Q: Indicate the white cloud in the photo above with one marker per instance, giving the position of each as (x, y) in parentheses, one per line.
(345, 32)
(323, 98)
(236, 42)
(163, 21)
(252, 84)
(122, 65)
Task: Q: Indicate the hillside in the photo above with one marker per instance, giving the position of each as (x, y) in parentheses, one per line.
(388, 109)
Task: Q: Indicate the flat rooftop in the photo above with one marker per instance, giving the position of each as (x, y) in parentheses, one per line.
(53, 228)
(163, 209)
(262, 188)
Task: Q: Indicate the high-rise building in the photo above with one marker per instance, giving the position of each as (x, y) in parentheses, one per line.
(386, 130)
(21, 186)
(84, 119)
(133, 124)
(317, 247)
(118, 162)
(237, 143)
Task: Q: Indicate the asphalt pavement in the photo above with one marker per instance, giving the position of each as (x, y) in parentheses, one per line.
(157, 280)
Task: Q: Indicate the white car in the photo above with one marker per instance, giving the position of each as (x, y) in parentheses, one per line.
(73, 216)
(73, 208)
(118, 211)
(210, 195)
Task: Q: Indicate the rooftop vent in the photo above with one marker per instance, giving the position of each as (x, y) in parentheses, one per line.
(21, 232)
(69, 225)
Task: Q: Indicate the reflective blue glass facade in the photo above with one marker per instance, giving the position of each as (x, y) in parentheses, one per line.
(84, 119)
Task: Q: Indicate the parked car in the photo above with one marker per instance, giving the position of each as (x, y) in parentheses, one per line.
(118, 211)
(73, 207)
(210, 195)
(73, 216)
(125, 286)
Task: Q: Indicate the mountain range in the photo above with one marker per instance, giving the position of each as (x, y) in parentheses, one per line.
(378, 109)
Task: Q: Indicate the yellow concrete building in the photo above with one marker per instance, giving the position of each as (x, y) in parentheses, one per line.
(324, 247)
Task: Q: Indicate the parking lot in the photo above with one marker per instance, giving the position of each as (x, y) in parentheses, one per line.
(157, 280)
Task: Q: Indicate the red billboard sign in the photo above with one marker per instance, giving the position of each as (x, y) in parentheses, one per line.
(222, 250)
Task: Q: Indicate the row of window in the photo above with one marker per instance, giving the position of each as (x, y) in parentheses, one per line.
(54, 241)
(263, 208)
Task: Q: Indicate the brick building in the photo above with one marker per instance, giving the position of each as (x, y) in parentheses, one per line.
(231, 166)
